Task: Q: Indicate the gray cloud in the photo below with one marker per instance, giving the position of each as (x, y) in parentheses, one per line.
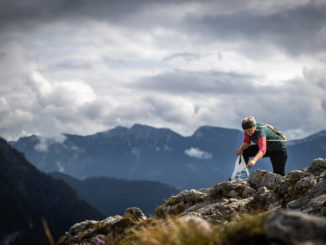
(295, 102)
(188, 57)
(85, 66)
(296, 30)
(72, 65)
(31, 12)
(183, 82)
(323, 105)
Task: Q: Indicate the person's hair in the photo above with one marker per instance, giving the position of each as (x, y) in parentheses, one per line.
(248, 122)
(249, 119)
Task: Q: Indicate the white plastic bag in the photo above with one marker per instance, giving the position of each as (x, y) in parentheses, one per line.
(240, 170)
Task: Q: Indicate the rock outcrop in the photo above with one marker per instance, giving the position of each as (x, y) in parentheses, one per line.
(295, 205)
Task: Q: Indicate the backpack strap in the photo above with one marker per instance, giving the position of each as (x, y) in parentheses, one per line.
(276, 132)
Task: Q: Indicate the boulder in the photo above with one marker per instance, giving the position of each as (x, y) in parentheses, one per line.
(317, 206)
(184, 200)
(287, 227)
(108, 231)
(318, 165)
(219, 211)
(76, 228)
(261, 178)
(304, 184)
(308, 203)
(135, 213)
(225, 189)
(248, 192)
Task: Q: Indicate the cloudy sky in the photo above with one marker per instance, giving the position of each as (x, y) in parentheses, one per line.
(80, 66)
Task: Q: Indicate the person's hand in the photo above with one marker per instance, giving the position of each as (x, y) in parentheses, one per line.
(239, 151)
(251, 163)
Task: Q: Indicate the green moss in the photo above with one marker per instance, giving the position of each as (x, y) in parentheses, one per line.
(257, 205)
(293, 179)
(178, 208)
(261, 177)
(170, 202)
(216, 192)
(300, 192)
(239, 190)
(160, 211)
(250, 230)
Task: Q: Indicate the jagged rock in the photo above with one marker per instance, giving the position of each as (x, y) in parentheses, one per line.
(296, 174)
(262, 190)
(135, 213)
(219, 211)
(301, 190)
(108, 231)
(81, 226)
(322, 176)
(318, 165)
(308, 202)
(304, 184)
(223, 189)
(261, 178)
(110, 220)
(317, 206)
(295, 227)
(190, 196)
(177, 204)
(80, 230)
(233, 194)
(248, 192)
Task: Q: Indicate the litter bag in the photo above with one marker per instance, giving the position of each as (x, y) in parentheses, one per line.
(240, 171)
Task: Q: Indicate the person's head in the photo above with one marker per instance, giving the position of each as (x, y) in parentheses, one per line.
(249, 125)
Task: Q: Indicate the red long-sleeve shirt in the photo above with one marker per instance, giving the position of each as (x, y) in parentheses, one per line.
(261, 143)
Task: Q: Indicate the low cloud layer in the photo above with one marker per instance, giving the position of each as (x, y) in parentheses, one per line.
(196, 153)
(80, 67)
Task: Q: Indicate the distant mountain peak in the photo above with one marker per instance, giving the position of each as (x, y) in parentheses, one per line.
(207, 130)
(316, 136)
(145, 131)
(138, 126)
(116, 131)
(144, 127)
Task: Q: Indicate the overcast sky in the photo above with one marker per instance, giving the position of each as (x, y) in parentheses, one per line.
(80, 66)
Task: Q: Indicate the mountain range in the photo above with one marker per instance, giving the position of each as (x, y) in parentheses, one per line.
(30, 198)
(113, 196)
(158, 154)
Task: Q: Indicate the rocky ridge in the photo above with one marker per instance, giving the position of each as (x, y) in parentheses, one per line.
(294, 206)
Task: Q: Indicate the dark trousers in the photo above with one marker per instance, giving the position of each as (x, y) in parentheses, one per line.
(278, 158)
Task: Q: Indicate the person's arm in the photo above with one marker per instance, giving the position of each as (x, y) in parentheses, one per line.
(244, 146)
(260, 153)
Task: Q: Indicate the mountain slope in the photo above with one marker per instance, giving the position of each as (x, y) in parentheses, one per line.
(301, 151)
(114, 196)
(28, 195)
(146, 153)
(140, 152)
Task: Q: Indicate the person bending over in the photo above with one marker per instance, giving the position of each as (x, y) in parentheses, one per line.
(269, 143)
